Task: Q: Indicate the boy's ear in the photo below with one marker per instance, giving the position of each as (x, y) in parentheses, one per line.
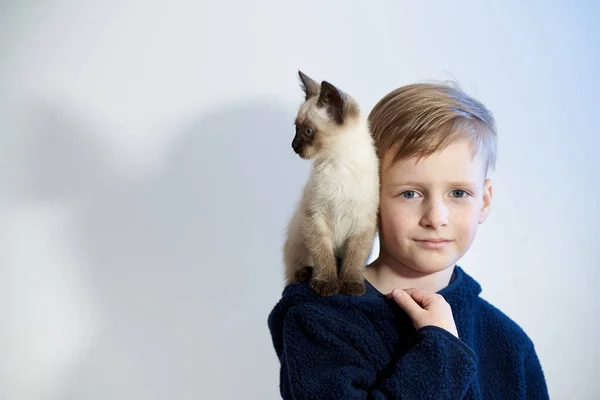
(487, 200)
(310, 87)
(331, 98)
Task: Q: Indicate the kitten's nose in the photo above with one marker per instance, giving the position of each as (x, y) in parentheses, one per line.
(295, 145)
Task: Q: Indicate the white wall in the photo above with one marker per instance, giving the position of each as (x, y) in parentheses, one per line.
(147, 175)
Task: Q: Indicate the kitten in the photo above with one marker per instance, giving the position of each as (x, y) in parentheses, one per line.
(336, 217)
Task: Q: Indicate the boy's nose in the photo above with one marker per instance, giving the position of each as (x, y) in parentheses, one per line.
(436, 216)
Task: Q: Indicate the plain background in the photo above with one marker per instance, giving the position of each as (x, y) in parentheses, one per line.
(146, 177)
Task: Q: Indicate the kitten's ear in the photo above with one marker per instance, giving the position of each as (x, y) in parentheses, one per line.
(310, 87)
(333, 100)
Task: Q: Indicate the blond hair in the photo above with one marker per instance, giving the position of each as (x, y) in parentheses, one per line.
(419, 119)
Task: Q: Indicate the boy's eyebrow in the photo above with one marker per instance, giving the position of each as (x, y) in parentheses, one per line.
(416, 183)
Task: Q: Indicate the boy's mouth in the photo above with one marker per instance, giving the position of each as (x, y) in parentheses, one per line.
(433, 244)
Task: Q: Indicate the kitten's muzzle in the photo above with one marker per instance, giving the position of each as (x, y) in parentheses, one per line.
(297, 144)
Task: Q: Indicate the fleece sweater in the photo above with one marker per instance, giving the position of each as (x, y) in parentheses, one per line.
(365, 347)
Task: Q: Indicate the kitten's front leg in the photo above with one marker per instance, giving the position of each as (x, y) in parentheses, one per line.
(356, 252)
(319, 242)
(296, 259)
(303, 274)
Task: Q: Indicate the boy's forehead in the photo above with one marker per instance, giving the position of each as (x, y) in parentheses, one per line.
(454, 163)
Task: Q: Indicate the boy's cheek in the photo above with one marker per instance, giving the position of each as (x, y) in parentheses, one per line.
(395, 227)
(391, 220)
(399, 217)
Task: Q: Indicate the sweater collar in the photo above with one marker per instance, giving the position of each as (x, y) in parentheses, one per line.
(460, 294)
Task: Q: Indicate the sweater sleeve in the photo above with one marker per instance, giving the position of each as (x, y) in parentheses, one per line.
(535, 383)
(323, 359)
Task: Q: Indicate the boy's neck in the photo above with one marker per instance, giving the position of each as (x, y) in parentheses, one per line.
(385, 276)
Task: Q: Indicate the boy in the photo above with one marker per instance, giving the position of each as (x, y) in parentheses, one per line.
(420, 331)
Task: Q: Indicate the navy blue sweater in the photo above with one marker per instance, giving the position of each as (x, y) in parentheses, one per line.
(365, 347)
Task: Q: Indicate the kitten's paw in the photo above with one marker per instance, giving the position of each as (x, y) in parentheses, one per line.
(303, 274)
(324, 288)
(352, 288)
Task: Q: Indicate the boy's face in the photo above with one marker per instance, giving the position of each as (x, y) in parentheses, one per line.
(441, 197)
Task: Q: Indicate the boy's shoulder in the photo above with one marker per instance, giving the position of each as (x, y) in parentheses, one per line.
(497, 328)
(300, 296)
(302, 310)
(487, 323)
(299, 300)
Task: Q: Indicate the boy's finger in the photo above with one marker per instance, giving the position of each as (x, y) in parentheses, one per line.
(406, 302)
(423, 297)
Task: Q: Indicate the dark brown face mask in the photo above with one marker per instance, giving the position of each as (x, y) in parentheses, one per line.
(304, 137)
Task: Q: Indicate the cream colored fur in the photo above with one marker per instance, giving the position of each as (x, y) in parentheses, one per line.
(340, 200)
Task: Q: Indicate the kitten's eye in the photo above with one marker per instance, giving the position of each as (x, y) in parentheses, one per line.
(309, 131)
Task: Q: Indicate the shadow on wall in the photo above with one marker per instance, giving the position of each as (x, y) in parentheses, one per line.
(182, 267)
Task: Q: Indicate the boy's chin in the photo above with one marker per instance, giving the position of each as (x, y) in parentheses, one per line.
(431, 263)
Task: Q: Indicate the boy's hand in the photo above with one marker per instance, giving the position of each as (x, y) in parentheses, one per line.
(425, 308)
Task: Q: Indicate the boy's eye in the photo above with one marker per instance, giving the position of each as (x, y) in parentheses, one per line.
(459, 193)
(409, 194)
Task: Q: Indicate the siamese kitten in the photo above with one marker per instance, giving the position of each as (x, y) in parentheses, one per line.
(336, 217)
